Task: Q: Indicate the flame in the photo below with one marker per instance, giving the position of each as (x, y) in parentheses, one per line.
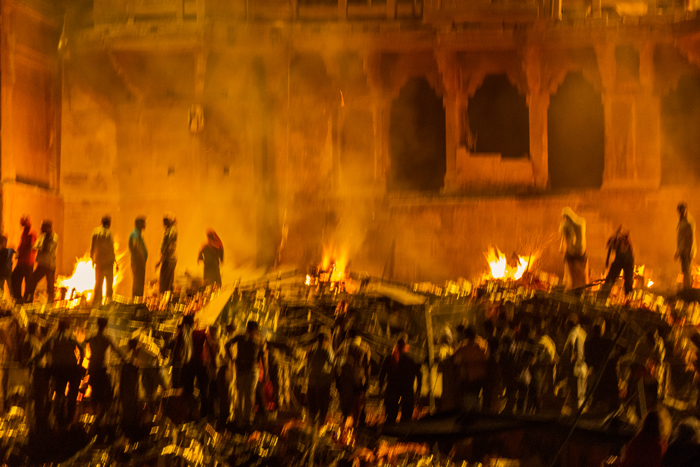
(334, 262)
(500, 269)
(650, 283)
(308, 280)
(83, 279)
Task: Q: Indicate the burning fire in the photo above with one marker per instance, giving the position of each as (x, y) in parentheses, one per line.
(500, 269)
(83, 279)
(334, 264)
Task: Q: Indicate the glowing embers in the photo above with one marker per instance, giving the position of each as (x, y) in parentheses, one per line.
(500, 268)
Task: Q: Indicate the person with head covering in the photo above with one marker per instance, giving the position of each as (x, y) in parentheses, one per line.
(46, 248)
(139, 255)
(621, 244)
(26, 255)
(103, 259)
(320, 360)
(168, 254)
(212, 254)
(573, 245)
(685, 243)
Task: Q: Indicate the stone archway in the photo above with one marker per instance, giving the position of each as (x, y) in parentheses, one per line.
(417, 142)
(680, 117)
(499, 118)
(576, 135)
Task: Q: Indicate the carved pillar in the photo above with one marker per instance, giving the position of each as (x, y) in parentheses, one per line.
(380, 109)
(447, 64)
(538, 104)
(648, 120)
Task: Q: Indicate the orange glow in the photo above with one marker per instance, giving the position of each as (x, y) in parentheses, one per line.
(500, 269)
(334, 263)
(83, 279)
(650, 283)
(308, 280)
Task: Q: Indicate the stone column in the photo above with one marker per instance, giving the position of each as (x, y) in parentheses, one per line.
(538, 104)
(447, 64)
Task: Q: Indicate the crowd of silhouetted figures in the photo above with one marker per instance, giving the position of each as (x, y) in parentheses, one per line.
(528, 364)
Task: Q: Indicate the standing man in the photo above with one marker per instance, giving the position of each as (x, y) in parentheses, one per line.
(168, 257)
(7, 255)
(25, 259)
(45, 262)
(573, 245)
(251, 351)
(685, 243)
(621, 244)
(139, 255)
(103, 259)
(572, 365)
(399, 372)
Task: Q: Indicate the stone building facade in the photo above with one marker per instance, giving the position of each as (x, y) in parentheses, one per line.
(403, 136)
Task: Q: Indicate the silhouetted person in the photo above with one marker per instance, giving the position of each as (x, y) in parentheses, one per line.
(40, 376)
(139, 255)
(46, 247)
(251, 354)
(399, 371)
(320, 362)
(685, 243)
(168, 255)
(353, 372)
(572, 365)
(103, 259)
(212, 254)
(66, 369)
(100, 382)
(26, 255)
(621, 244)
(194, 352)
(573, 245)
(647, 448)
(684, 450)
(7, 256)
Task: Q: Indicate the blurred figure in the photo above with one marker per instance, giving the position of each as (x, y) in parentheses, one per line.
(193, 350)
(320, 361)
(251, 355)
(100, 382)
(597, 347)
(66, 357)
(353, 372)
(621, 244)
(399, 372)
(40, 376)
(26, 255)
(103, 259)
(168, 254)
(685, 243)
(7, 256)
(572, 365)
(46, 248)
(220, 402)
(684, 450)
(212, 253)
(573, 245)
(647, 448)
(544, 368)
(471, 363)
(139, 255)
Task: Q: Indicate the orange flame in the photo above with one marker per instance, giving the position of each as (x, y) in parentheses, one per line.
(83, 279)
(500, 269)
(334, 263)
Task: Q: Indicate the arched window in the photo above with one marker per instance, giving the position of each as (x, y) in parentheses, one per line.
(576, 132)
(417, 139)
